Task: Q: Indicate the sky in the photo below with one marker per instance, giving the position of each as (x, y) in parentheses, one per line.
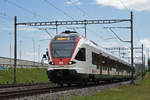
(32, 41)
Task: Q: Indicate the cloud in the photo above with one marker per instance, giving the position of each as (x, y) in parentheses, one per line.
(138, 5)
(146, 42)
(75, 2)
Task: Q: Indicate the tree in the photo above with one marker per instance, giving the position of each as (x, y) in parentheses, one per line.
(148, 64)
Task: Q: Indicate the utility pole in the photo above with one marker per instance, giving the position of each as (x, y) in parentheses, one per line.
(56, 28)
(148, 60)
(33, 51)
(15, 47)
(132, 62)
(10, 47)
(20, 48)
(142, 62)
(39, 49)
(85, 28)
(148, 54)
(119, 53)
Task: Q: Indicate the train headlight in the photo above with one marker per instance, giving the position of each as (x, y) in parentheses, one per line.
(51, 63)
(71, 62)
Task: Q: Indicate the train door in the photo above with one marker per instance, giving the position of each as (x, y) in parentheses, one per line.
(80, 57)
(88, 59)
(108, 69)
(100, 64)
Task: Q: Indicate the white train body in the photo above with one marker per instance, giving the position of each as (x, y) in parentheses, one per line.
(74, 59)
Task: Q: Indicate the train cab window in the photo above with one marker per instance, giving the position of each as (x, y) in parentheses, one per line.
(81, 55)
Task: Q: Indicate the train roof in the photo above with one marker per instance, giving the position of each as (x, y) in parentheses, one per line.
(68, 33)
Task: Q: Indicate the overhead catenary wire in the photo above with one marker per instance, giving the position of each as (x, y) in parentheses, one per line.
(118, 36)
(58, 9)
(5, 16)
(137, 35)
(25, 9)
(85, 13)
(5, 19)
(20, 7)
(62, 11)
(48, 33)
(81, 10)
(124, 5)
(127, 9)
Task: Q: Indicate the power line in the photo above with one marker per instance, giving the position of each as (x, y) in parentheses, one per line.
(10, 46)
(66, 14)
(117, 36)
(60, 10)
(5, 16)
(137, 36)
(33, 50)
(124, 5)
(129, 11)
(81, 10)
(25, 9)
(85, 13)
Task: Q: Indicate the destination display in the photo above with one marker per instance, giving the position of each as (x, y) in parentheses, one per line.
(63, 38)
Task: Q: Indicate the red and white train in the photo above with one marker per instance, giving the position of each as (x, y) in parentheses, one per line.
(75, 59)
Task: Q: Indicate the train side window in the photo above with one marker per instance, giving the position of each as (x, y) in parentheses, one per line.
(95, 59)
(111, 64)
(81, 55)
(104, 63)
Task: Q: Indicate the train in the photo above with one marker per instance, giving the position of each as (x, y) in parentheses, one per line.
(74, 59)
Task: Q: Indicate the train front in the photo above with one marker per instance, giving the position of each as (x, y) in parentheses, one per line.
(61, 53)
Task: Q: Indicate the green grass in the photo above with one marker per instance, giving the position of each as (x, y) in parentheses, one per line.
(24, 75)
(140, 91)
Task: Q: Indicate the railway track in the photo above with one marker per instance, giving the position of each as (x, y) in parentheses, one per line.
(15, 90)
(23, 84)
(28, 90)
(19, 90)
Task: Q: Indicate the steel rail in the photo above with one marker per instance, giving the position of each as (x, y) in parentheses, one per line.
(32, 90)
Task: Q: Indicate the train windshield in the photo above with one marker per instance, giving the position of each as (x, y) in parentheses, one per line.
(62, 50)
